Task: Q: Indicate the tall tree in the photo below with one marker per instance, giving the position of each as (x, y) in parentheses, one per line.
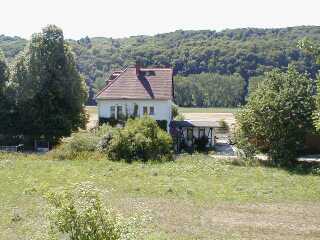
(49, 91)
(5, 104)
(4, 73)
(278, 116)
(313, 49)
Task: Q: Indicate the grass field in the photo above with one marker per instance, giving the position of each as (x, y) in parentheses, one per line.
(208, 110)
(194, 197)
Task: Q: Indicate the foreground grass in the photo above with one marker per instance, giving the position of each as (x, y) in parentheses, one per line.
(194, 197)
(207, 110)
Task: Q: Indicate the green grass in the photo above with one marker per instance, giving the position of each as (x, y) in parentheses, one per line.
(194, 197)
(207, 110)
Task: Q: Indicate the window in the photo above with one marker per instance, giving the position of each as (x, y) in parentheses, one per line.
(145, 110)
(119, 112)
(136, 110)
(113, 112)
(151, 112)
(189, 134)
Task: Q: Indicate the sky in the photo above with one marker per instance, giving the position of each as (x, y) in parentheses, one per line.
(123, 18)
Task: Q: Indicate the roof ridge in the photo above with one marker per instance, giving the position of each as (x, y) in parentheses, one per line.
(108, 85)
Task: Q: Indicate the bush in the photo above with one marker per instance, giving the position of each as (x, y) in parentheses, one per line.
(175, 111)
(277, 117)
(80, 215)
(81, 142)
(140, 139)
(223, 125)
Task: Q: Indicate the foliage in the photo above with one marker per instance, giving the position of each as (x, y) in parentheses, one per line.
(254, 83)
(140, 139)
(80, 215)
(82, 142)
(46, 82)
(223, 125)
(313, 49)
(207, 90)
(277, 116)
(248, 52)
(6, 102)
(179, 117)
(175, 111)
(163, 124)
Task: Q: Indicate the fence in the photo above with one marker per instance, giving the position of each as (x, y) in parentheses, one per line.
(17, 148)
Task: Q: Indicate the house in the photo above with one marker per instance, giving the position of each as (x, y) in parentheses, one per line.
(137, 91)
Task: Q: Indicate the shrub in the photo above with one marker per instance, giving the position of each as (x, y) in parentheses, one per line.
(81, 142)
(175, 111)
(80, 215)
(223, 125)
(140, 139)
(277, 116)
(163, 124)
(78, 143)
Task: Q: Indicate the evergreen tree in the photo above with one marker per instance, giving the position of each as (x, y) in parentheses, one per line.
(49, 91)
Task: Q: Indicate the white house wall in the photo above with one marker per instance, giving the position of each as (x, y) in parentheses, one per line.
(162, 108)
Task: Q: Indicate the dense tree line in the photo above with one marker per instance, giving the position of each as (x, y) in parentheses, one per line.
(249, 52)
(43, 95)
(209, 89)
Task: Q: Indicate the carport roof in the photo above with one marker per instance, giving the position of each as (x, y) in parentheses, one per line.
(192, 123)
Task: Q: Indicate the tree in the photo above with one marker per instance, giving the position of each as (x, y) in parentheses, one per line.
(314, 50)
(278, 116)
(5, 104)
(4, 73)
(49, 91)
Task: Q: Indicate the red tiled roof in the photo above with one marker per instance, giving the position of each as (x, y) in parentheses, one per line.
(151, 83)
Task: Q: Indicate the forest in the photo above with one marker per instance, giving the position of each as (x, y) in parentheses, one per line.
(211, 68)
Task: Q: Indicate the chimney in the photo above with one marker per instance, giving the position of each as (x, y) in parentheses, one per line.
(138, 66)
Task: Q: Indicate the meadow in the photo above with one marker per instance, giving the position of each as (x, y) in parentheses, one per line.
(193, 197)
(207, 110)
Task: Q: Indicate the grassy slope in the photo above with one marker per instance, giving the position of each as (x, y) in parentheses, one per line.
(191, 198)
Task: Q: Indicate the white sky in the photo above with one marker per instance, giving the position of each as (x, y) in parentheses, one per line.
(120, 18)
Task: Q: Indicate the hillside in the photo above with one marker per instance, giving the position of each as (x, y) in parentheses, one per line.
(247, 52)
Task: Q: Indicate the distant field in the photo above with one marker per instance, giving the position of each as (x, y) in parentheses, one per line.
(92, 110)
(208, 110)
(194, 197)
